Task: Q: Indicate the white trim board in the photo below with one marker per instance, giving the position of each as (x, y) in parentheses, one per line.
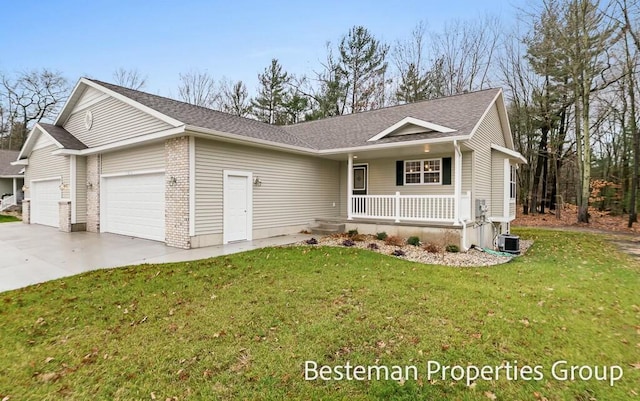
(412, 121)
(73, 187)
(133, 172)
(511, 153)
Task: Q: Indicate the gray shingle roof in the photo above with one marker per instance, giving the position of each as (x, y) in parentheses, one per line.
(461, 113)
(6, 157)
(206, 118)
(64, 137)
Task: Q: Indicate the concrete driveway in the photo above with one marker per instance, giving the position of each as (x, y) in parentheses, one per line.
(31, 253)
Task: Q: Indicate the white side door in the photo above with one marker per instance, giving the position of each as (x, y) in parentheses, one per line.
(238, 204)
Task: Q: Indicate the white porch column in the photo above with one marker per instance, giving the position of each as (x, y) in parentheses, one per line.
(457, 184)
(15, 188)
(349, 186)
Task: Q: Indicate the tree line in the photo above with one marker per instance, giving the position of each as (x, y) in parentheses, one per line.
(569, 68)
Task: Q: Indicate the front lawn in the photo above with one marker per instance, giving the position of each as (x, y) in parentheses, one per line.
(242, 326)
(4, 218)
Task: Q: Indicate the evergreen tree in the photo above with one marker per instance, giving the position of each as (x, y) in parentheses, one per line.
(363, 66)
(413, 86)
(268, 106)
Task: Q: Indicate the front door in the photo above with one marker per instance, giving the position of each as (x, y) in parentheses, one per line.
(360, 181)
(237, 206)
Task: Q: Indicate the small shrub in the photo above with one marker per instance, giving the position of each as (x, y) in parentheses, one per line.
(312, 241)
(373, 246)
(398, 252)
(339, 235)
(348, 242)
(352, 233)
(381, 236)
(394, 240)
(359, 237)
(431, 247)
(415, 241)
(452, 248)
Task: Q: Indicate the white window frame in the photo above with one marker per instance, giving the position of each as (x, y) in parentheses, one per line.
(422, 172)
(512, 183)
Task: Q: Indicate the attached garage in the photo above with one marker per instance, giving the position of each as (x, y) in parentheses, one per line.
(133, 205)
(45, 196)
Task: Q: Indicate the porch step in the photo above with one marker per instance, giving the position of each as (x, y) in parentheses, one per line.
(326, 228)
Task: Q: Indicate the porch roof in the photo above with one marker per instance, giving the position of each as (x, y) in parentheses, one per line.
(6, 169)
(461, 113)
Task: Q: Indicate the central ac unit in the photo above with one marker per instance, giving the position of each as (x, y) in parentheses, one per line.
(509, 243)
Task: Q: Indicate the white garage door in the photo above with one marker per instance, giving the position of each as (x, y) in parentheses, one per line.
(134, 205)
(45, 196)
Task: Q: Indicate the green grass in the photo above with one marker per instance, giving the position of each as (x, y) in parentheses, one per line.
(242, 326)
(8, 219)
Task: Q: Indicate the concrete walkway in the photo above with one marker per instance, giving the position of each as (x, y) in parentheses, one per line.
(31, 254)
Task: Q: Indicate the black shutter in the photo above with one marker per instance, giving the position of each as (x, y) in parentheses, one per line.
(400, 172)
(446, 171)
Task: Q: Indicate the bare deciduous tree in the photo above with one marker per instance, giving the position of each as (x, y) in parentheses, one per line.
(467, 50)
(234, 98)
(198, 88)
(29, 98)
(131, 79)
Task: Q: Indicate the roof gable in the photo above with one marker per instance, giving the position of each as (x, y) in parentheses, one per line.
(85, 84)
(410, 126)
(503, 117)
(55, 135)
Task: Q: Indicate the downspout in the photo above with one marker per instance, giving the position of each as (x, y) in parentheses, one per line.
(458, 193)
(350, 187)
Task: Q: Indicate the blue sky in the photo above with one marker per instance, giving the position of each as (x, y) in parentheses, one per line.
(236, 39)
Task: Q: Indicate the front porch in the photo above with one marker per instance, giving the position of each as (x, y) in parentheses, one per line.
(11, 193)
(427, 184)
(442, 209)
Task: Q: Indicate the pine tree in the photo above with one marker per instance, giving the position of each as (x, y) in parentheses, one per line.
(413, 86)
(268, 106)
(363, 65)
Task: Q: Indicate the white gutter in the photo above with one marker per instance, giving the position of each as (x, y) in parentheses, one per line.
(392, 145)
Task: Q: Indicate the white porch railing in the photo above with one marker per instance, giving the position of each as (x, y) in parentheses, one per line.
(428, 208)
(7, 202)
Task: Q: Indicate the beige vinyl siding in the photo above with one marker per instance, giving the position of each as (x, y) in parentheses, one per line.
(81, 189)
(113, 121)
(489, 132)
(512, 210)
(343, 188)
(382, 177)
(139, 158)
(497, 185)
(42, 165)
(295, 189)
(89, 95)
(467, 175)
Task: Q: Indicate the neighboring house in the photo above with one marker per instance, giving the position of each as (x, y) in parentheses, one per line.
(127, 162)
(11, 180)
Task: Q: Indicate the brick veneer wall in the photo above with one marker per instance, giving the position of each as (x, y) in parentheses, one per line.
(94, 167)
(64, 216)
(176, 154)
(26, 211)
